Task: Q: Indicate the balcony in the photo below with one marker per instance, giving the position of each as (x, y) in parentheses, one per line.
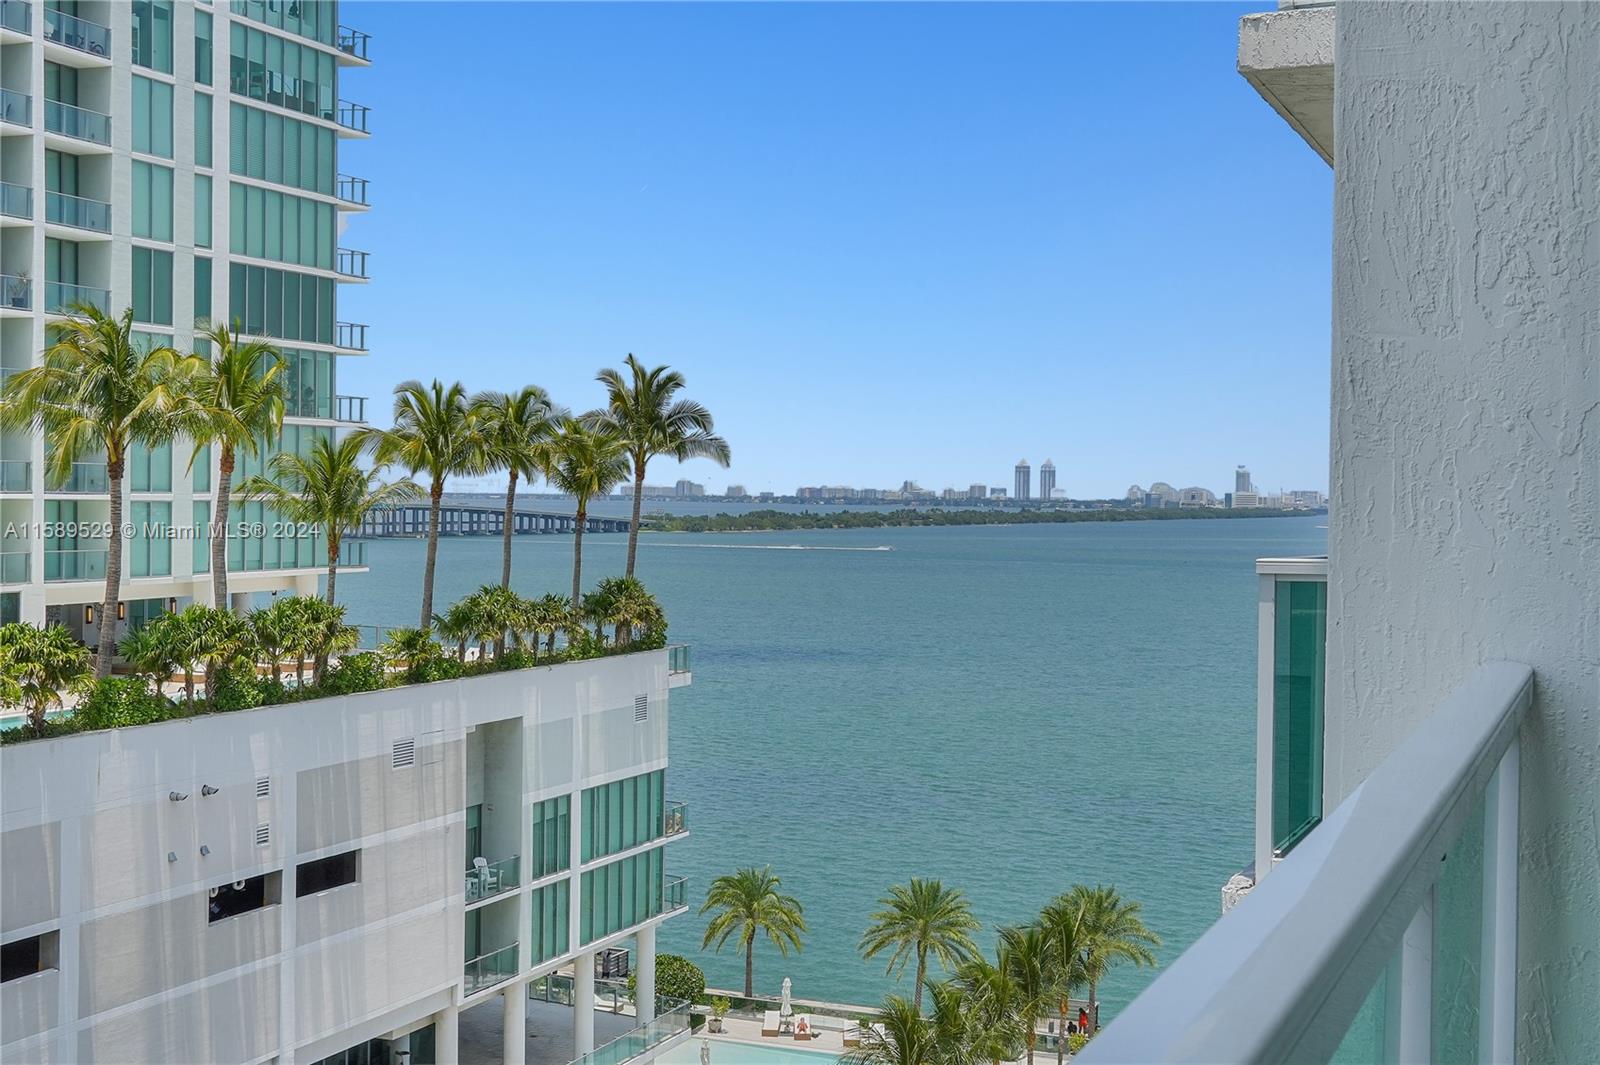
(16, 201)
(675, 820)
(351, 336)
(353, 117)
(79, 212)
(353, 43)
(86, 478)
(489, 969)
(76, 33)
(352, 554)
(492, 878)
(16, 15)
(678, 658)
(14, 566)
(671, 1022)
(62, 298)
(1338, 944)
(16, 292)
(352, 190)
(79, 123)
(676, 896)
(16, 475)
(16, 107)
(87, 564)
(350, 409)
(351, 263)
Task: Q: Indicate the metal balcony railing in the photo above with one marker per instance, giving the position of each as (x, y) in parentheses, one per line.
(16, 475)
(678, 658)
(79, 123)
(61, 297)
(86, 478)
(84, 564)
(1345, 923)
(350, 335)
(16, 107)
(16, 292)
(352, 553)
(16, 200)
(675, 819)
(350, 408)
(351, 263)
(486, 970)
(16, 15)
(352, 190)
(677, 894)
(80, 212)
(494, 878)
(353, 42)
(352, 116)
(75, 32)
(15, 566)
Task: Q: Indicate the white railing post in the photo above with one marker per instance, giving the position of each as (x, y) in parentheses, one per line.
(1408, 1021)
(1497, 993)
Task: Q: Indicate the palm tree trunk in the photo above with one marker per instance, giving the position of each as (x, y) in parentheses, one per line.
(922, 973)
(577, 551)
(1061, 1031)
(750, 968)
(505, 536)
(108, 602)
(435, 496)
(633, 528)
(219, 543)
(1032, 1037)
(188, 688)
(333, 564)
(1094, 1007)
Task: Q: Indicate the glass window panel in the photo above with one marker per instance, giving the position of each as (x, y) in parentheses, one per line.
(202, 289)
(274, 225)
(291, 303)
(236, 293)
(161, 202)
(308, 308)
(325, 236)
(325, 162)
(237, 59)
(238, 139)
(141, 113)
(255, 298)
(275, 147)
(325, 85)
(202, 211)
(161, 287)
(141, 198)
(200, 561)
(325, 291)
(256, 42)
(308, 81)
(202, 129)
(202, 47)
(291, 154)
(308, 155)
(274, 307)
(236, 218)
(291, 225)
(256, 142)
(274, 65)
(1300, 643)
(255, 215)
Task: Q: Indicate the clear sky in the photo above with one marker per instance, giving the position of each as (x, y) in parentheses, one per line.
(882, 241)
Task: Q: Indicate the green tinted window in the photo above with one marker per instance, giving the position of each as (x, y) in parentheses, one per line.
(551, 909)
(202, 47)
(202, 129)
(552, 836)
(152, 201)
(152, 34)
(620, 895)
(1300, 644)
(150, 549)
(152, 286)
(152, 117)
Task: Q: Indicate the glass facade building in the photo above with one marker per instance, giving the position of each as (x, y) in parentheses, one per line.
(1300, 646)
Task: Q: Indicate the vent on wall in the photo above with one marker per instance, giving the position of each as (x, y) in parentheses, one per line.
(263, 834)
(405, 753)
(263, 787)
(641, 707)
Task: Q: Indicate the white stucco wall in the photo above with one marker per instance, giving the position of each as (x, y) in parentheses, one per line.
(1466, 429)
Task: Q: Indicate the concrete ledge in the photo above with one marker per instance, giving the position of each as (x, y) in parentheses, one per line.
(1287, 56)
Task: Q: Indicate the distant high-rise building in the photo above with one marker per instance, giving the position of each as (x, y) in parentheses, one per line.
(736, 491)
(1047, 480)
(976, 491)
(1135, 494)
(1023, 482)
(688, 488)
(1241, 480)
(997, 493)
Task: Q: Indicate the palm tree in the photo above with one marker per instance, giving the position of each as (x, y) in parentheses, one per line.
(900, 1036)
(435, 430)
(148, 650)
(98, 391)
(625, 604)
(747, 904)
(457, 624)
(1062, 923)
(179, 640)
(221, 640)
(41, 664)
(1025, 956)
(237, 403)
(273, 627)
(953, 1025)
(918, 920)
(641, 410)
(327, 634)
(992, 1000)
(547, 616)
(586, 460)
(409, 649)
(328, 488)
(516, 433)
(1111, 931)
(299, 629)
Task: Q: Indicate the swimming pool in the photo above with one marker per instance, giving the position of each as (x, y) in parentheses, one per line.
(724, 1052)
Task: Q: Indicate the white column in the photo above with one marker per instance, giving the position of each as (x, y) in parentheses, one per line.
(644, 942)
(446, 1037)
(514, 1026)
(1408, 1024)
(582, 1004)
(1497, 992)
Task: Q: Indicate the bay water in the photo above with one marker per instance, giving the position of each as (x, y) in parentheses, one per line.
(1010, 709)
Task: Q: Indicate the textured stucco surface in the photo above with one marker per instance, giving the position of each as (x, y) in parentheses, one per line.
(1466, 429)
(1288, 57)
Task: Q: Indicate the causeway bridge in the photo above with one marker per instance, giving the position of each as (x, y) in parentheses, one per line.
(455, 519)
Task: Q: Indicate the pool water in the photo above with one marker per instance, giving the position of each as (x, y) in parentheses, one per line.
(724, 1052)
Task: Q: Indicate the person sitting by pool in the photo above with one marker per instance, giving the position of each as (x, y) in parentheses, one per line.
(802, 1029)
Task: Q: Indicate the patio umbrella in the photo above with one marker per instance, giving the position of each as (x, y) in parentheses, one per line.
(788, 1007)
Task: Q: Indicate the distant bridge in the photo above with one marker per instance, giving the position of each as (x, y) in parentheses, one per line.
(411, 519)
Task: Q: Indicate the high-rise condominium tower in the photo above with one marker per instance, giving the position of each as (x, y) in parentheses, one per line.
(1047, 479)
(1023, 481)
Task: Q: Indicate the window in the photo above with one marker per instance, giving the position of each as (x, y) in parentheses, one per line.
(202, 289)
(61, 172)
(24, 957)
(61, 83)
(1300, 636)
(152, 286)
(202, 129)
(265, 223)
(281, 304)
(152, 34)
(551, 909)
(623, 814)
(325, 874)
(311, 19)
(150, 468)
(621, 895)
(10, 607)
(552, 836)
(202, 211)
(152, 201)
(283, 149)
(150, 548)
(152, 117)
(200, 562)
(202, 47)
(243, 896)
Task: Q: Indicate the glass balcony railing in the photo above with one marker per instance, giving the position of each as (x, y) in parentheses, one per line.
(352, 553)
(352, 190)
(350, 335)
(677, 894)
(678, 658)
(16, 15)
(350, 408)
(489, 969)
(74, 32)
(353, 43)
(16, 475)
(353, 116)
(557, 988)
(14, 566)
(670, 1022)
(79, 123)
(16, 292)
(675, 819)
(351, 263)
(85, 564)
(16, 200)
(16, 107)
(86, 478)
(79, 212)
(62, 298)
(494, 878)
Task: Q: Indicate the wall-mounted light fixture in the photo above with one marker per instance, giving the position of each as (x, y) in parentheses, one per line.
(122, 611)
(204, 850)
(172, 856)
(206, 791)
(172, 605)
(88, 615)
(177, 796)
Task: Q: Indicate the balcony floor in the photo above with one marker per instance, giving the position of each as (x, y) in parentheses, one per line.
(549, 1031)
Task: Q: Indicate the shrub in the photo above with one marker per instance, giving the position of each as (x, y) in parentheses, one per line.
(517, 658)
(1076, 1042)
(354, 673)
(237, 689)
(53, 727)
(117, 701)
(435, 669)
(676, 977)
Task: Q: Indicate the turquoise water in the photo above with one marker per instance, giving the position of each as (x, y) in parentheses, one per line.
(1008, 708)
(727, 1053)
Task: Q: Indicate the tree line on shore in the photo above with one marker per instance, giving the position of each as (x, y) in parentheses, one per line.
(783, 521)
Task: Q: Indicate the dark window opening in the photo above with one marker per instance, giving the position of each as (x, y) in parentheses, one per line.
(242, 896)
(325, 874)
(24, 957)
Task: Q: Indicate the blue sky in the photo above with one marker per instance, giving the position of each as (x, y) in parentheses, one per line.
(882, 241)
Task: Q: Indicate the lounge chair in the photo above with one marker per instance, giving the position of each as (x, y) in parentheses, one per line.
(804, 1028)
(769, 1023)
